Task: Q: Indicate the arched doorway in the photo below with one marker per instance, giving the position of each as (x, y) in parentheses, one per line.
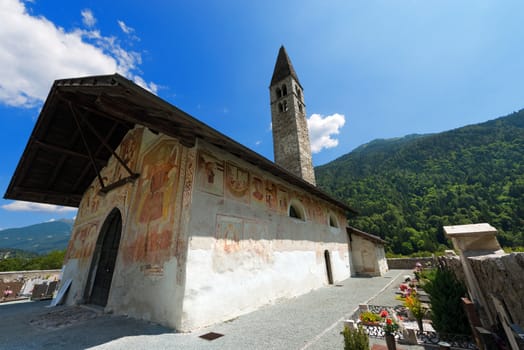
(328, 267)
(104, 258)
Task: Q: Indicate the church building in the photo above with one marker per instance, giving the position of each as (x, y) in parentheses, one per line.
(177, 223)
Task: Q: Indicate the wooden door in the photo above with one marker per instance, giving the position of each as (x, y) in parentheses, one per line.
(106, 250)
(328, 267)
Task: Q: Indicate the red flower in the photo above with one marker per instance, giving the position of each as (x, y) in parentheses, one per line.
(389, 321)
(383, 313)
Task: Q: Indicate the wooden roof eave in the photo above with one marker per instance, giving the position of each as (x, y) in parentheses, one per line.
(122, 101)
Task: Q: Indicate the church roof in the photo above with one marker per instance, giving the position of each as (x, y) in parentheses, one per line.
(283, 68)
(365, 235)
(84, 120)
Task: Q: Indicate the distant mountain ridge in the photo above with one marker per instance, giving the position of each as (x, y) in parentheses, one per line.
(40, 238)
(407, 188)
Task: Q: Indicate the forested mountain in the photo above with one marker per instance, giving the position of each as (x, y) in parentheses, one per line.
(40, 238)
(406, 189)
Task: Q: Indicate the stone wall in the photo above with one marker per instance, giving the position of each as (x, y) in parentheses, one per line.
(409, 263)
(453, 263)
(499, 275)
(23, 283)
(26, 275)
(502, 277)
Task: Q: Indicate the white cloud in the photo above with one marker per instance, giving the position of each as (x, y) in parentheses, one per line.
(88, 18)
(40, 207)
(321, 130)
(34, 52)
(126, 29)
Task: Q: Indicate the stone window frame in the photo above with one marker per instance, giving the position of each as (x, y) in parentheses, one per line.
(296, 210)
(298, 92)
(278, 91)
(332, 221)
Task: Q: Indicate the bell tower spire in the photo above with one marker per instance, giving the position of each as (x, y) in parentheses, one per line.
(291, 145)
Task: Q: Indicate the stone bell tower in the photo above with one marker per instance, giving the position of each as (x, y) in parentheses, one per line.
(291, 145)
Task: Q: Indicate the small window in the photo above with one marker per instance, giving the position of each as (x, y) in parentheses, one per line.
(300, 107)
(284, 106)
(279, 93)
(297, 89)
(293, 212)
(296, 210)
(333, 222)
(280, 107)
(284, 90)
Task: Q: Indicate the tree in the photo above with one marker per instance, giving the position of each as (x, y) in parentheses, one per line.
(446, 291)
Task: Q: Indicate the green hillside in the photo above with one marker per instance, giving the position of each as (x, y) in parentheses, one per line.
(40, 238)
(406, 189)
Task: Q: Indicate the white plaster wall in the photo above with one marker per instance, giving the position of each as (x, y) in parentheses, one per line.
(368, 257)
(151, 297)
(356, 247)
(243, 282)
(381, 259)
(76, 270)
(270, 256)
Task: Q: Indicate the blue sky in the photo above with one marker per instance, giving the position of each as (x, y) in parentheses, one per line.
(370, 69)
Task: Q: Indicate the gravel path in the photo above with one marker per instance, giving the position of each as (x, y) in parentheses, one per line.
(311, 321)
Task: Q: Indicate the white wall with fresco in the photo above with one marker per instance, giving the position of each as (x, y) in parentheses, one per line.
(245, 250)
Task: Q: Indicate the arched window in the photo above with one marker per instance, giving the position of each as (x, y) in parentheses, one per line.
(284, 106)
(296, 210)
(300, 107)
(284, 90)
(279, 93)
(333, 222)
(280, 107)
(297, 89)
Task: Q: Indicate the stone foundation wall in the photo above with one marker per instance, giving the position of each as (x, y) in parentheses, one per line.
(502, 277)
(12, 276)
(499, 275)
(409, 263)
(454, 264)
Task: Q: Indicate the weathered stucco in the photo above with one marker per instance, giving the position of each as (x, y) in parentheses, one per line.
(368, 257)
(245, 250)
(153, 243)
(205, 236)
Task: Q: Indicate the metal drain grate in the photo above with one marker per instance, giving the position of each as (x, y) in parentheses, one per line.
(339, 285)
(211, 336)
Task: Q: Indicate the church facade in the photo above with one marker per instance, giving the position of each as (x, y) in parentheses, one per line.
(178, 224)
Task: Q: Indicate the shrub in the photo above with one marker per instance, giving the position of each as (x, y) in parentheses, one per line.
(368, 316)
(447, 312)
(355, 339)
(414, 305)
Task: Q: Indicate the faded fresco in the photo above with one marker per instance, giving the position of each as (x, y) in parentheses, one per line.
(128, 152)
(229, 233)
(282, 199)
(271, 195)
(241, 241)
(82, 242)
(250, 188)
(237, 183)
(114, 171)
(257, 191)
(150, 236)
(210, 175)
